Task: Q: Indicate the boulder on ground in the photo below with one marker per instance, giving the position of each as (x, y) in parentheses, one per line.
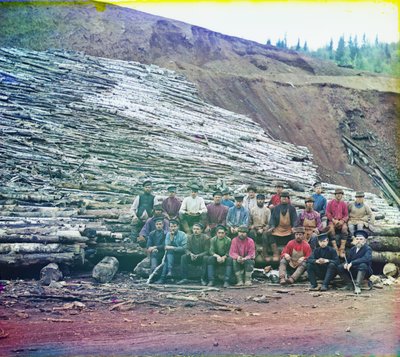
(105, 270)
(49, 273)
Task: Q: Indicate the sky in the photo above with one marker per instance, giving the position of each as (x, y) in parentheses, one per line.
(314, 21)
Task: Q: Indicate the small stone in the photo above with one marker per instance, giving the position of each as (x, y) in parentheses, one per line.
(215, 344)
(348, 329)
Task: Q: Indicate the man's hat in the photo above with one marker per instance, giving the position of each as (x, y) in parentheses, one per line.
(260, 196)
(252, 188)
(361, 233)
(323, 236)
(194, 188)
(360, 194)
(157, 207)
(199, 225)
(147, 183)
(239, 198)
(285, 194)
(174, 221)
(279, 184)
(171, 189)
(299, 230)
(317, 184)
(242, 229)
(158, 219)
(217, 193)
(339, 190)
(309, 199)
(220, 226)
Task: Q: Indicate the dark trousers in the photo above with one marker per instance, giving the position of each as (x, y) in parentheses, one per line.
(188, 221)
(170, 261)
(258, 238)
(155, 259)
(186, 261)
(212, 264)
(322, 271)
(344, 273)
(247, 266)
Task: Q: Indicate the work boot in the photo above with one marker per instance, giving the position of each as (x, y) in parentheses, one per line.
(169, 274)
(290, 280)
(203, 282)
(183, 281)
(211, 283)
(282, 280)
(226, 284)
(210, 272)
(359, 280)
(247, 278)
(239, 278)
(314, 288)
(324, 288)
(160, 281)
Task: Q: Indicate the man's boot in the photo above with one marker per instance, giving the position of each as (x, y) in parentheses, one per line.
(210, 271)
(275, 252)
(329, 275)
(247, 278)
(239, 278)
(359, 280)
(227, 277)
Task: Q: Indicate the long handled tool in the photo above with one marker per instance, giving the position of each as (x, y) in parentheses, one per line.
(157, 268)
(356, 288)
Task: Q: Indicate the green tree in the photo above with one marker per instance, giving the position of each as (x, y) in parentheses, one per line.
(340, 51)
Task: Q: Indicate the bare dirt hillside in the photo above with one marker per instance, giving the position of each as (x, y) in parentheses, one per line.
(295, 98)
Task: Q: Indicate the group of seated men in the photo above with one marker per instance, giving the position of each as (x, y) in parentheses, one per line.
(231, 234)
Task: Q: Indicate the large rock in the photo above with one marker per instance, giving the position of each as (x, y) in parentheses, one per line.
(105, 270)
(49, 273)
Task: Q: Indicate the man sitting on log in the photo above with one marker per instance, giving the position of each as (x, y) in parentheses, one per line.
(322, 263)
(142, 207)
(171, 204)
(175, 246)
(311, 221)
(358, 263)
(193, 210)
(156, 243)
(337, 214)
(197, 250)
(360, 215)
(219, 255)
(243, 253)
(319, 202)
(150, 225)
(216, 213)
(276, 198)
(294, 257)
(226, 201)
(283, 219)
(237, 216)
(250, 200)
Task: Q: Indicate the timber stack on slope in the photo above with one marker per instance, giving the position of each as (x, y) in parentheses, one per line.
(79, 135)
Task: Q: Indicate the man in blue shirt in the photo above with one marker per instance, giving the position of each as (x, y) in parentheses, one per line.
(237, 216)
(320, 203)
(225, 199)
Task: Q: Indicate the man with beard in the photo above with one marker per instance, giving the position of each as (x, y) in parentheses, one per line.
(156, 243)
(337, 214)
(360, 215)
(193, 210)
(243, 253)
(216, 213)
(294, 257)
(311, 221)
(358, 263)
(198, 247)
(322, 263)
(150, 225)
(171, 204)
(237, 216)
(219, 255)
(283, 219)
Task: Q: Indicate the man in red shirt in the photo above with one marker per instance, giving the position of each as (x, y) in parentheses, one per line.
(338, 215)
(294, 257)
(243, 253)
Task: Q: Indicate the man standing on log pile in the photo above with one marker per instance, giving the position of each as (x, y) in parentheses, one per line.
(250, 200)
(320, 202)
(193, 210)
(311, 221)
(259, 218)
(276, 199)
(175, 246)
(226, 200)
(156, 243)
(283, 219)
(142, 208)
(360, 215)
(358, 264)
(323, 264)
(150, 225)
(219, 255)
(172, 204)
(198, 247)
(294, 257)
(337, 214)
(243, 253)
(216, 214)
(237, 216)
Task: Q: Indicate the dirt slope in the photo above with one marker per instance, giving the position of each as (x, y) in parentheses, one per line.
(295, 98)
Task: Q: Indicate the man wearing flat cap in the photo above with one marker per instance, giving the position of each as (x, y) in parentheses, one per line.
(155, 243)
(337, 214)
(171, 204)
(193, 210)
(360, 215)
(150, 225)
(226, 201)
(311, 221)
(283, 219)
(216, 213)
(197, 250)
(322, 264)
(243, 253)
(358, 263)
(293, 258)
(237, 216)
(319, 200)
(276, 198)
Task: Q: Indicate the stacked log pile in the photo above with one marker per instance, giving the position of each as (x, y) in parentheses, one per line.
(79, 134)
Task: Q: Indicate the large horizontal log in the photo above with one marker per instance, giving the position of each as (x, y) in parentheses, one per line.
(37, 238)
(30, 248)
(41, 258)
(386, 230)
(386, 257)
(391, 244)
(120, 249)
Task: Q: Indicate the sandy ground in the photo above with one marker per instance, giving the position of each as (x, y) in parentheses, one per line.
(127, 318)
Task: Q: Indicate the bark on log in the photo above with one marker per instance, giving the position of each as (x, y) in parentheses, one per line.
(386, 257)
(105, 270)
(50, 273)
(387, 231)
(42, 259)
(383, 244)
(30, 248)
(120, 249)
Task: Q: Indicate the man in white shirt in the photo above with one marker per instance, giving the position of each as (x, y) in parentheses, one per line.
(193, 210)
